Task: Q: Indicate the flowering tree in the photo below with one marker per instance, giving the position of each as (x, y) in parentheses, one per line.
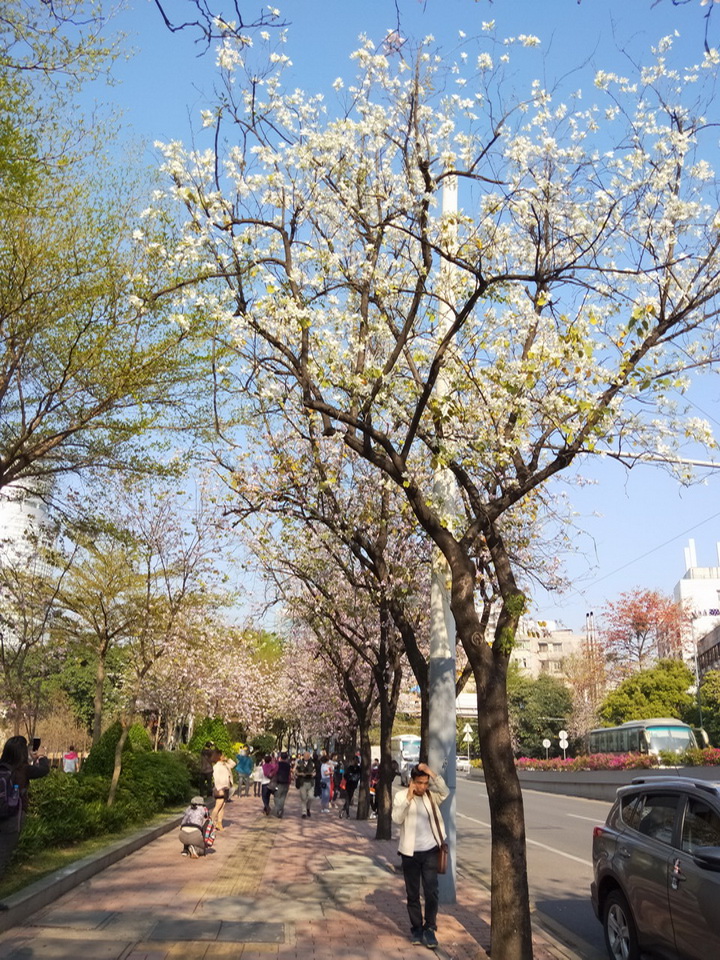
(554, 315)
(642, 625)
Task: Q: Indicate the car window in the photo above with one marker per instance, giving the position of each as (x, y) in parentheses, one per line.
(701, 826)
(629, 809)
(655, 816)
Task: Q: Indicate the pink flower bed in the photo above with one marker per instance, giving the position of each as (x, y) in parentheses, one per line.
(594, 761)
(619, 761)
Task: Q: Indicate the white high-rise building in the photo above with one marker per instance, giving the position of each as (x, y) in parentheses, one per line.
(699, 592)
(23, 519)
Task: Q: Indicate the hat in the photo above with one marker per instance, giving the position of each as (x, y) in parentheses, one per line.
(197, 801)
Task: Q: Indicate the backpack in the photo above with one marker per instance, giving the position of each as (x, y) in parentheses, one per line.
(195, 816)
(9, 794)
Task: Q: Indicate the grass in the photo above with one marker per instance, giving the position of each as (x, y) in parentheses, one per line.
(21, 875)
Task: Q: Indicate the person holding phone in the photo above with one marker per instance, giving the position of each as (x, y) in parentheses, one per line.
(23, 766)
(422, 832)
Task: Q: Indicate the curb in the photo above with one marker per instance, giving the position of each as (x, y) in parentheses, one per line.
(42, 892)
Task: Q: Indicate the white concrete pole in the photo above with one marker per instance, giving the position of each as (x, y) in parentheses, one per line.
(441, 720)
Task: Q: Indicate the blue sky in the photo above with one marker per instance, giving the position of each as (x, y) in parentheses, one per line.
(632, 526)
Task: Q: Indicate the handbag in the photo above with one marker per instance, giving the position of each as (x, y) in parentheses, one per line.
(442, 857)
(442, 860)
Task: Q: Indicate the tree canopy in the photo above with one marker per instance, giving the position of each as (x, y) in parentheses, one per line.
(660, 691)
(556, 313)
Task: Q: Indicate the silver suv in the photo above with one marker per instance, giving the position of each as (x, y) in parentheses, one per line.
(657, 870)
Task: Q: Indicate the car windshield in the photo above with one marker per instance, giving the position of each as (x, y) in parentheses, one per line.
(676, 739)
(411, 751)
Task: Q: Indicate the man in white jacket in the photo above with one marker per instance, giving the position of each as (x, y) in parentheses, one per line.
(421, 833)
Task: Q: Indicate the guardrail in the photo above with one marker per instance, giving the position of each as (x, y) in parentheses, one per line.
(598, 784)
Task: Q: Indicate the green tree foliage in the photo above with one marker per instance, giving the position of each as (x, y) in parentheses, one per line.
(710, 699)
(66, 809)
(88, 365)
(538, 708)
(661, 691)
(101, 759)
(213, 729)
(76, 675)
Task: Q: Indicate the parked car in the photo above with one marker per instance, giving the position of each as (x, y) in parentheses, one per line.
(656, 864)
(462, 765)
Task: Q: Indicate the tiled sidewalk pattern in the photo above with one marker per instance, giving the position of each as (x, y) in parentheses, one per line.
(290, 889)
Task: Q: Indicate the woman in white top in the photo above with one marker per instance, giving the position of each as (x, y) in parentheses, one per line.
(222, 781)
(422, 831)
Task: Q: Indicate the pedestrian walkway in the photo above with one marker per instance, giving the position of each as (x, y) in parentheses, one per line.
(291, 889)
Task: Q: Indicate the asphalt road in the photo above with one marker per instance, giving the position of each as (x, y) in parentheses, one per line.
(559, 841)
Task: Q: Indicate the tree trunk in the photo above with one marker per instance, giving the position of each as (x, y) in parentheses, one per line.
(157, 731)
(511, 933)
(98, 700)
(119, 747)
(363, 804)
(384, 787)
(510, 923)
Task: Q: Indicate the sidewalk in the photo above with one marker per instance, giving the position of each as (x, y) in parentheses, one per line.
(291, 889)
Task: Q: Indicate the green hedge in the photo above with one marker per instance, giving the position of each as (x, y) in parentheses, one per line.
(213, 729)
(65, 809)
(101, 759)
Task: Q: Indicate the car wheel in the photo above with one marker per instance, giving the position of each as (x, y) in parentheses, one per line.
(619, 928)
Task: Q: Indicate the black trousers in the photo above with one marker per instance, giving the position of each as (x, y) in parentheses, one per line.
(421, 867)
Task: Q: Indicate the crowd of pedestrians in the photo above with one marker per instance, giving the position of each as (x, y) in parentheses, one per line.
(334, 782)
(325, 777)
(328, 778)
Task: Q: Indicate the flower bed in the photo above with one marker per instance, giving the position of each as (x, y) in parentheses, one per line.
(622, 761)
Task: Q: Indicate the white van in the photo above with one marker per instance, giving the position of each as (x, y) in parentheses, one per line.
(406, 753)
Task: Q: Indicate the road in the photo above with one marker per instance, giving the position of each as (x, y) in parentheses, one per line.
(559, 840)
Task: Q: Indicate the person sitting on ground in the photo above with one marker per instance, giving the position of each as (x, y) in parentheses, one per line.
(422, 832)
(193, 828)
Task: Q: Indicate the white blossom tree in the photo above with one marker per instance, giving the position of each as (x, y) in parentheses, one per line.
(557, 314)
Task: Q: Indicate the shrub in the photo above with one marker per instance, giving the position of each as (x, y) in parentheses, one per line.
(262, 744)
(101, 759)
(593, 761)
(211, 728)
(158, 778)
(709, 757)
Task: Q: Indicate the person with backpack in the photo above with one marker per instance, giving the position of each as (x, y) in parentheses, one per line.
(194, 834)
(17, 768)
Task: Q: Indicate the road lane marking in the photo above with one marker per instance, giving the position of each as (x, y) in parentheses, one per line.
(534, 843)
(577, 816)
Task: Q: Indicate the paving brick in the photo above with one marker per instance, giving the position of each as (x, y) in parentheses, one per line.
(319, 889)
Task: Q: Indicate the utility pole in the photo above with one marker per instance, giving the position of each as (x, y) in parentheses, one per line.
(441, 720)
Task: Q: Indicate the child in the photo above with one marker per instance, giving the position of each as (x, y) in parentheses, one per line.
(194, 833)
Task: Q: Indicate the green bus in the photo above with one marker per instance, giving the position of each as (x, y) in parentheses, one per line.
(643, 736)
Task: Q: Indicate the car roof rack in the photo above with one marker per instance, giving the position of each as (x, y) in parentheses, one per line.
(709, 786)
